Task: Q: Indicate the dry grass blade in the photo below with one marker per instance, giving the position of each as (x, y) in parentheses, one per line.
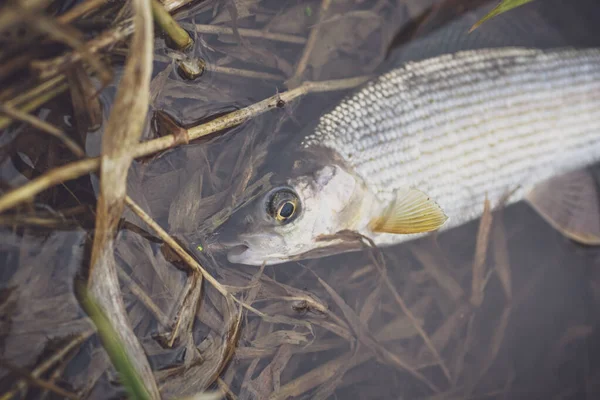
(428, 342)
(49, 363)
(365, 337)
(47, 69)
(496, 341)
(37, 381)
(312, 39)
(123, 131)
(252, 33)
(86, 104)
(184, 321)
(33, 99)
(478, 282)
(501, 258)
(80, 10)
(73, 38)
(189, 260)
(144, 298)
(318, 376)
(11, 15)
(80, 168)
(435, 265)
(43, 126)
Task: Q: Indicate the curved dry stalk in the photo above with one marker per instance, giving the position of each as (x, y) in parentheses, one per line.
(43, 126)
(80, 168)
(252, 33)
(123, 131)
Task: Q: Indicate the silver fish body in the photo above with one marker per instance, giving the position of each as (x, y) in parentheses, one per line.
(463, 126)
(456, 117)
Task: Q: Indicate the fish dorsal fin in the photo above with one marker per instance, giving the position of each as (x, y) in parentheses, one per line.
(412, 211)
(570, 204)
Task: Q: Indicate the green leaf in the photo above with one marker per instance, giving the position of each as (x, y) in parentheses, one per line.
(116, 352)
(501, 8)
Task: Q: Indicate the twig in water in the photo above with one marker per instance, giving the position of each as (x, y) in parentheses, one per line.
(79, 168)
(43, 126)
(253, 33)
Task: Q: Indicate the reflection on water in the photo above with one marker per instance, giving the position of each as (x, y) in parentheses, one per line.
(359, 325)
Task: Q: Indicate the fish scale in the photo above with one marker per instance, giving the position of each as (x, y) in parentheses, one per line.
(465, 125)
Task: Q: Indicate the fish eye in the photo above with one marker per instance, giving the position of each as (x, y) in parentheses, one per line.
(283, 205)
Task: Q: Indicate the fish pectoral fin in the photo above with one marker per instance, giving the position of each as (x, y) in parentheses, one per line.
(570, 204)
(412, 211)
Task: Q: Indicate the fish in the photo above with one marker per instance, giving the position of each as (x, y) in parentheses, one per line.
(420, 148)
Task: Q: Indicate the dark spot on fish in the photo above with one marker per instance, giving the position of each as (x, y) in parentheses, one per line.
(280, 103)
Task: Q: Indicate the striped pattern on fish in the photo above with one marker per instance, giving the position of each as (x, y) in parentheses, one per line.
(465, 125)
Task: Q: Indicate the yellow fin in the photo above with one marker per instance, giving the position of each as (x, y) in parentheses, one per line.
(570, 204)
(411, 212)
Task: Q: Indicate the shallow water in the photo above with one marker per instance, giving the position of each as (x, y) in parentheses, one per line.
(536, 339)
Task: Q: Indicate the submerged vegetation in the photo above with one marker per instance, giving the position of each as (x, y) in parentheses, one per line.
(116, 166)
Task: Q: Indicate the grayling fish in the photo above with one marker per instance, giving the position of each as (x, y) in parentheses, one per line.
(419, 148)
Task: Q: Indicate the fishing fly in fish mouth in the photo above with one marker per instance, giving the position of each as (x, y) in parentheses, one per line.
(419, 148)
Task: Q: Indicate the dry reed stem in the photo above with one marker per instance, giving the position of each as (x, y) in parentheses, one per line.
(46, 365)
(9, 97)
(11, 15)
(26, 375)
(244, 73)
(252, 33)
(80, 10)
(35, 102)
(106, 39)
(44, 127)
(123, 131)
(483, 236)
(400, 301)
(179, 37)
(189, 260)
(310, 44)
(79, 168)
(190, 300)
(143, 297)
(172, 5)
(50, 68)
(73, 38)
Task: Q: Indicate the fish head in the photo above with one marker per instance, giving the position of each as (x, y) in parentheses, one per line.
(297, 219)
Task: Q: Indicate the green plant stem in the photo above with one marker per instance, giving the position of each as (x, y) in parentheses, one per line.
(179, 36)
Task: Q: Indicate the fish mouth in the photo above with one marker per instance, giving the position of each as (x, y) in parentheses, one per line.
(235, 254)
